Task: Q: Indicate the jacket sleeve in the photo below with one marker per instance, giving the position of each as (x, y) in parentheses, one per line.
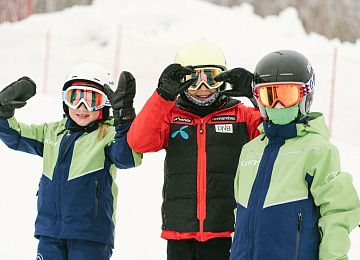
(119, 151)
(150, 130)
(22, 137)
(253, 119)
(339, 204)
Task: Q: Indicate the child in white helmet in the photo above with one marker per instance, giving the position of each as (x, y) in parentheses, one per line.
(77, 191)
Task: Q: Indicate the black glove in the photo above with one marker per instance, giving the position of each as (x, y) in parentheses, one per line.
(122, 99)
(170, 85)
(15, 96)
(240, 79)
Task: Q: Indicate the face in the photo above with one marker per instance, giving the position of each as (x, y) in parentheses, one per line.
(202, 93)
(82, 116)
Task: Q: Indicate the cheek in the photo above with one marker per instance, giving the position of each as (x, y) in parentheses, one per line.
(71, 112)
(192, 93)
(94, 115)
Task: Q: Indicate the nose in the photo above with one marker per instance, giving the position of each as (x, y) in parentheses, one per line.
(82, 107)
(203, 87)
(278, 105)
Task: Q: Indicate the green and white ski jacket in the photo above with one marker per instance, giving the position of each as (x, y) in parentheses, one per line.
(293, 200)
(77, 192)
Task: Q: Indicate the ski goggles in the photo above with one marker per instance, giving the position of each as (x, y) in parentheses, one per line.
(204, 75)
(288, 94)
(92, 98)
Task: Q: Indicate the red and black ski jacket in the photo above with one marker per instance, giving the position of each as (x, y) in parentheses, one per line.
(202, 155)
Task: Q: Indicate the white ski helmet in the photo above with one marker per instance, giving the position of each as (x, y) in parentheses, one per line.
(91, 72)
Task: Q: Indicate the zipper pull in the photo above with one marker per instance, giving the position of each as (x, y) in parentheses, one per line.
(300, 218)
(201, 126)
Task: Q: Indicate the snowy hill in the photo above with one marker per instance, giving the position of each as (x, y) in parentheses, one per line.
(142, 37)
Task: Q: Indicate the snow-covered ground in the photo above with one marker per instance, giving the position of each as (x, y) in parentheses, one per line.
(148, 33)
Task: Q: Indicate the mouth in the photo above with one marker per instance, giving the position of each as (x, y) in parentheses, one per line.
(82, 116)
(203, 96)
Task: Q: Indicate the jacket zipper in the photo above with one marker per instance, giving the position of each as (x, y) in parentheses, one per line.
(60, 178)
(201, 184)
(96, 198)
(66, 136)
(299, 226)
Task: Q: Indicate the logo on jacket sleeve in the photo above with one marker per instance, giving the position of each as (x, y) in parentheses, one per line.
(182, 133)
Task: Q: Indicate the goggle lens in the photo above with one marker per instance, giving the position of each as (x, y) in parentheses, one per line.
(286, 94)
(204, 76)
(93, 99)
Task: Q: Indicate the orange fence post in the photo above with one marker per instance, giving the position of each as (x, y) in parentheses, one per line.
(332, 92)
(46, 60)
(117, 53)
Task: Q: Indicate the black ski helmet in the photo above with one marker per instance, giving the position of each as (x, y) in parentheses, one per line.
(286, 66)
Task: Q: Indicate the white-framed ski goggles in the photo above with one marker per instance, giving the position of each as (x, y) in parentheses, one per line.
(93, 99)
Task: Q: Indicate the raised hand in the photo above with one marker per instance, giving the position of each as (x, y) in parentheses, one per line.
(170, 85)
(122, 99)
(15, 96)
(240, 80)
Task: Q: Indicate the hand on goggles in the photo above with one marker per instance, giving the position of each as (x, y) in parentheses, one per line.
(204, 75)
(172, 83)
(92, 98)
(288, 94)
(240, 80)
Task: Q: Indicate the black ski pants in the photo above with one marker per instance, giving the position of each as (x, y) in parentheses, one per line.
(191, 249)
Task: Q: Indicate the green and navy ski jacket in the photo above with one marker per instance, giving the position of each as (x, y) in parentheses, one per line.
(200, 164)
(77, 192)
(293, 200)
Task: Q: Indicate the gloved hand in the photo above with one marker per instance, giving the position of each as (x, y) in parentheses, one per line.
(15, 96)
(240, 79)
(170, 85)
(122, 99)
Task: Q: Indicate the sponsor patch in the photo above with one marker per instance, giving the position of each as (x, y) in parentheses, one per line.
(223, 118)
(224, 128)
(181, 119)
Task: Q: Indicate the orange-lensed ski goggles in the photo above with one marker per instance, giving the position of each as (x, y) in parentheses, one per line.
(92, 98)
(288, 94)
(204, 75)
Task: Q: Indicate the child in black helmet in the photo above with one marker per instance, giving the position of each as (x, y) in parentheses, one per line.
(293, 200)
(77, 192)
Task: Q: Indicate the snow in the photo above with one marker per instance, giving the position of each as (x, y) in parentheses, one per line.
(150, 33)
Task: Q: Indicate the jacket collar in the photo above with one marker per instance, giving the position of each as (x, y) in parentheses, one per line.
(312, 123)
(73, 127)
